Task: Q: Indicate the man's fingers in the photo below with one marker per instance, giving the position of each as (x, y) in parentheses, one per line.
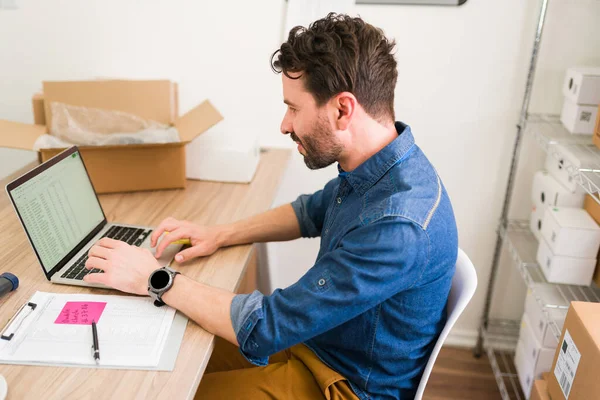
(95, 262)
(99, 251)
(168, 224)
(110, 243)
(96, 278)
(176, 234)
(189, 253)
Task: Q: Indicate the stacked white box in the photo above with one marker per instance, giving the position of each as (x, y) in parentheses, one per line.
(579, 119)
(582, 85)
(547, 191)
(562, 163)
(535, 221)
(541, 313)
(531, 358)
(571, 232)
(564, 269)
(524, 371)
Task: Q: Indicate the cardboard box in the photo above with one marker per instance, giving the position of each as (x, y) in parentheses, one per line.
(559, 167)
(582, 85)
(593, 208)
(127, 167)
(535, 221)
(39, 113)
(596, 138)
(574, 372)
(578, 119)
(540, 390)
(571, 232)
(547, 191)
(540, 316)
(564, 269)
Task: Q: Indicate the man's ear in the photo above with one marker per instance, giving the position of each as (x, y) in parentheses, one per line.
(344, 105)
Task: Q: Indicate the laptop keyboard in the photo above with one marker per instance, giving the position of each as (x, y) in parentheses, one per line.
(133, 236)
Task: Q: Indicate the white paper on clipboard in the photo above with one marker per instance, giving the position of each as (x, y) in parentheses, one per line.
(132, 332)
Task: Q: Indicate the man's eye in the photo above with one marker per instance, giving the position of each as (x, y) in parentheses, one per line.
(293, 110)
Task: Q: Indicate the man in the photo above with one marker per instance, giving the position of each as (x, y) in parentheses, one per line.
(362, 321)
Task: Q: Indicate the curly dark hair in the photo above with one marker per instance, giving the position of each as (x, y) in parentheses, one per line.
(338, 54)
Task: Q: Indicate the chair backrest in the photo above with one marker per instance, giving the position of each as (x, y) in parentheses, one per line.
(464, 283)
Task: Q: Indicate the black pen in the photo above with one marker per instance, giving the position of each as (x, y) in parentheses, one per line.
(95, 347)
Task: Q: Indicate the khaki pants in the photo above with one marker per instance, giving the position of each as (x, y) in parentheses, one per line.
(295, 373)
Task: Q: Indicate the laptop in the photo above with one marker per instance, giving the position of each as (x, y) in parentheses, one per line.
(62, 217)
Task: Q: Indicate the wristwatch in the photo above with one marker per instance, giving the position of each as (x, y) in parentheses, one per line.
(159, 282)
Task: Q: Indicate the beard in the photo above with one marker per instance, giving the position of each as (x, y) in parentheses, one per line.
(321, 147)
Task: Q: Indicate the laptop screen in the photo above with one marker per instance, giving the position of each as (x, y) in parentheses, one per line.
(58, 208)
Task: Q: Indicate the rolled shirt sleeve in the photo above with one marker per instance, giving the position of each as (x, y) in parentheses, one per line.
(372, 263)
(310, 209)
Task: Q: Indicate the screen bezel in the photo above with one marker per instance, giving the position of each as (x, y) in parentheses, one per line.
(36, 171)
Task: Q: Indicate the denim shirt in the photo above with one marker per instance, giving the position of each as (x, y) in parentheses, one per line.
(373, 304)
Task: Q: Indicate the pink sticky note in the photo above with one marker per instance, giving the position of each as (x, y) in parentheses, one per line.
(80, 312)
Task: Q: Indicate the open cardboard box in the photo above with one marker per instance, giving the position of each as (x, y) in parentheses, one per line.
(120, 168)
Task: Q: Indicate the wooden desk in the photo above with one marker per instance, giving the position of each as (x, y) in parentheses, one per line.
(203, 203)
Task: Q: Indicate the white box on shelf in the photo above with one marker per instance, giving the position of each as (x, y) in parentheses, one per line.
(582, 85)
(557, 161)
(531, 359)
(579, 119)
(571, 232)
(536, 219)
(565, 161)
(221, 162)
(543, 311)
(564, 269)
(547, 191)
(538, 356)
(524, 369)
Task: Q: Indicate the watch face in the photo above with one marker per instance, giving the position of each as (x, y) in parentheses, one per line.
(159, 279)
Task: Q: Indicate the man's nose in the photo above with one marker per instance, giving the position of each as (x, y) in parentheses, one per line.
(286, 125)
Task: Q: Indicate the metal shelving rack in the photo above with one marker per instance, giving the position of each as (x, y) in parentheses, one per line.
(552, 136)
(486, 326)
(499, 337)
(499, 340)
(522, 246)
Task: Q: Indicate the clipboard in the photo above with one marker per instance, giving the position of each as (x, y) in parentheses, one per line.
(32, 322)
(17, 320)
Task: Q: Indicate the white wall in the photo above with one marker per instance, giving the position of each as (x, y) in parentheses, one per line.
(461, 80)
(461, 76)
(214, 50)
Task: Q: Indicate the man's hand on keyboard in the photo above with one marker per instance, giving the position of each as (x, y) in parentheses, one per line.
(125, 267)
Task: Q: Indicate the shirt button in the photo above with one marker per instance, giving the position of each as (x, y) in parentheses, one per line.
(321, 282)
(339, 200)
(326, 231)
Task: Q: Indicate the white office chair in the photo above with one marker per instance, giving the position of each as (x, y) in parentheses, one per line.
(463, 286)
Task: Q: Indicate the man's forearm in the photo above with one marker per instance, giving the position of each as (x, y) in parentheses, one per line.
(208, 306)
(276, 225)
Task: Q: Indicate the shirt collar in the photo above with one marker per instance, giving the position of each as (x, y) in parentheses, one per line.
(372, 170)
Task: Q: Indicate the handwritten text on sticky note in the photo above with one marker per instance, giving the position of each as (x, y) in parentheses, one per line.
(80, 312)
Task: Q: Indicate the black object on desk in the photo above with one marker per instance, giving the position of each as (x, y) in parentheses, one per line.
(95, 347)
(8, 283)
